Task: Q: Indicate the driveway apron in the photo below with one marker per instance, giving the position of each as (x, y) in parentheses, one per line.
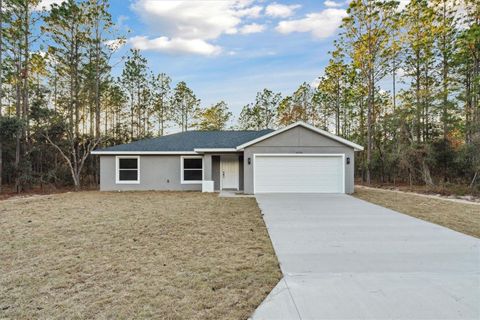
(345, 258)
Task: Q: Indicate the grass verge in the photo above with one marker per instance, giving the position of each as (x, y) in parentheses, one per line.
(461, 217)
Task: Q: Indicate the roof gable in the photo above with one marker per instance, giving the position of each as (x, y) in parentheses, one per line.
(324, 133)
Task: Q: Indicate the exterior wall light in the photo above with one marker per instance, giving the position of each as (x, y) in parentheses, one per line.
(249, 161)
(348, 160)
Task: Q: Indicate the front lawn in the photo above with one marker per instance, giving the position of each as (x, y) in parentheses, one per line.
(462, 217)
(164, 255)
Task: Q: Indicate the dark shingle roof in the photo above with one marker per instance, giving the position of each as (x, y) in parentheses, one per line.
(187, 141)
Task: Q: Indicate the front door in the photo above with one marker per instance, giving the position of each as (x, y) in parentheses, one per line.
(229, 172)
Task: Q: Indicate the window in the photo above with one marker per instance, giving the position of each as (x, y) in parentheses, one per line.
(128, 169)
(192, 169)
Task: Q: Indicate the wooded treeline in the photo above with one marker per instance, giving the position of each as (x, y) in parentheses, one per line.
(404, 83)
(59, 99)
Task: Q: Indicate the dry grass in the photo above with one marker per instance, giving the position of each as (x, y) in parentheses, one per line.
(461, 217)
(134, 255)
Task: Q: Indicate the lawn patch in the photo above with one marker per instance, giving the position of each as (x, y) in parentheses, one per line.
(461, 217)
(168, 255)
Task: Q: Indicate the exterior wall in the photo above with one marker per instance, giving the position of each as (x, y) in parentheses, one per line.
(216, 172)
(240, 173)
(298, 140)
(157, 172)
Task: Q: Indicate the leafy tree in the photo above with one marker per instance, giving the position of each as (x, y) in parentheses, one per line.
(184, 106)
(263, 113)
(298, 107)
(214, 117)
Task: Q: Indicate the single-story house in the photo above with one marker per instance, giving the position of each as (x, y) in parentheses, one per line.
(299, 158)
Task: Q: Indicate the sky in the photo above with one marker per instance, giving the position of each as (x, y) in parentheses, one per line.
(231, 49)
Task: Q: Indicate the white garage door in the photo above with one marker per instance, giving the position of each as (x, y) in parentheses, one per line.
(297, 173)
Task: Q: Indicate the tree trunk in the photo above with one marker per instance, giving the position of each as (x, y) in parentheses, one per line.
(472, 183)
(427, 178)
(18, 114)
(1, 86)
(369, 126)
(97, 79)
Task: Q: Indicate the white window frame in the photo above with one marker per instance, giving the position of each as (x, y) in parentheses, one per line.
(182, 170)
(117, 170)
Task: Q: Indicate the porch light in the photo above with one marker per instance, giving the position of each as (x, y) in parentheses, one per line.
(348, 160)
(249, 161)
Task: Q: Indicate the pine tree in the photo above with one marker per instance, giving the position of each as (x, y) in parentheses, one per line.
(367, 32)
(134, 80)
(161, 96)
(184, 106)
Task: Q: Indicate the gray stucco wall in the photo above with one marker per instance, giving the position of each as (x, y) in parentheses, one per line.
(298, 140)
(240, 173)
(216, 171)
(156, 173)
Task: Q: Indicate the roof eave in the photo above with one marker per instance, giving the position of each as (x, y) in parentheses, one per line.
(106, 153)
(203, 150)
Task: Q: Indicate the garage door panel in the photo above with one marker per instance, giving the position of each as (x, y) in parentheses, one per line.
(302, 174)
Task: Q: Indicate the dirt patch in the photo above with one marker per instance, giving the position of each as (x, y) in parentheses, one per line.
(459, 216)
(164, 255)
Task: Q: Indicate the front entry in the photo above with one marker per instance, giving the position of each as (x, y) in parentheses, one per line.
(229, 171)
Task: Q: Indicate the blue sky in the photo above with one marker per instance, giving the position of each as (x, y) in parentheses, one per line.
(230, 49)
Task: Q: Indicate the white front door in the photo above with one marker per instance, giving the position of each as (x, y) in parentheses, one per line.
(229, 172)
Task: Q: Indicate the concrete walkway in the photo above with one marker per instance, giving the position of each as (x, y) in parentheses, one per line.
(344, 258)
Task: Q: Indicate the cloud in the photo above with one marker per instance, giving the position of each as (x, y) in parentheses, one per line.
(252, 28)
(251, 12)
(175, 45)
(188, 26)
(332, 4)
(194, 19)
(47, 4)
(314, 83)
(320, 24)
(281, 10)
(115, 44)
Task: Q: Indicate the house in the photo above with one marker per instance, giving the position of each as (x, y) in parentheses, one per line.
(299, 158)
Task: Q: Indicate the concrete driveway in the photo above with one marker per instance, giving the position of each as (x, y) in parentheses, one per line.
(344, 258)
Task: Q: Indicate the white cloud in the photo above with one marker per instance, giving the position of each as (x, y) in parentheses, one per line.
(251, 12)
(115, 44)
(332, 4)
(187, 26)
(194, 19)
(281, 10)
(252, 28)
(314, 83)
(403, 4)
(47, 4)
(320, 24)
(175, 45)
